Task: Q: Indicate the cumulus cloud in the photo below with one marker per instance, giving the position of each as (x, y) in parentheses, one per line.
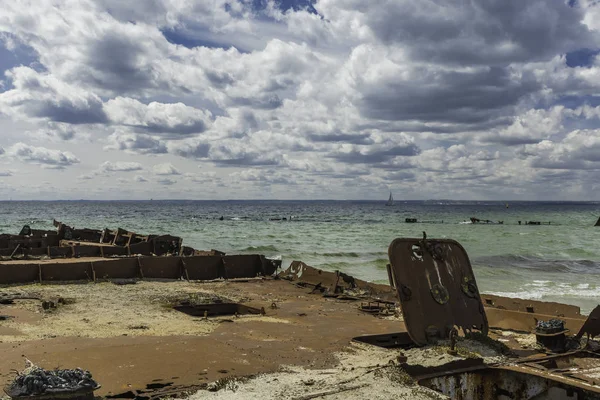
(165, 169)
(578, 150)
(174, 120)
(40, 155)
(166, 181)
(482, 32)
(338, 98)
(135, 143)
(120, 166)
(43, 96)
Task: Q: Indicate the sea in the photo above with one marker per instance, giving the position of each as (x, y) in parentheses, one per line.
(558, 260)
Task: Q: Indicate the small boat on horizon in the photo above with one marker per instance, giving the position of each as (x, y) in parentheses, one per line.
(390, 201)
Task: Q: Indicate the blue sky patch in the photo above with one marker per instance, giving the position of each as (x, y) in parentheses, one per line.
(582, 57)
(182, 38)
(578, 101)
(285, 5)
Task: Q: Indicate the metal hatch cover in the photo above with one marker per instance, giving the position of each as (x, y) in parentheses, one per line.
(436, 287)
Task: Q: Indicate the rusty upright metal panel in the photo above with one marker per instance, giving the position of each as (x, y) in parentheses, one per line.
(161, 267)
(436, 287)
(19, 273)
(204, 268)
(591, 326)
(120, 268)
(75, 271)
(242, 266)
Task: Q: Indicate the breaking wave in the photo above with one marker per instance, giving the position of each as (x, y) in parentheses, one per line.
(542, 289)
(341, 254)
(538, 263)
(261, 248)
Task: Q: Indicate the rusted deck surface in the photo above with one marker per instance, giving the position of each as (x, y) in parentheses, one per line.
(305, 329)
(129, 336)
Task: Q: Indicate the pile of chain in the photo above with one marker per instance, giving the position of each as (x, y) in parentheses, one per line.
(551, 326)
(37, 381)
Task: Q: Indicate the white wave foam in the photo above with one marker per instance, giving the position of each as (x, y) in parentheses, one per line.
(539, 290)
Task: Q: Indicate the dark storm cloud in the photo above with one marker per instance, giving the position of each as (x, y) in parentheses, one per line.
(246, 160)
(362, 138)
(177, 130)
(199, 150)
(375, 156)
(118, 63)
(67, 112)
(481, 32)
(449, 96)
(137, 143)
(265, 102)
(219, 79)
(510, 141)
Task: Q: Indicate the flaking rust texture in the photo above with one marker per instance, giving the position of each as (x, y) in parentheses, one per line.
(436, 287)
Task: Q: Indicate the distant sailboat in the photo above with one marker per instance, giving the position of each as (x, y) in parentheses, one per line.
(390, 201)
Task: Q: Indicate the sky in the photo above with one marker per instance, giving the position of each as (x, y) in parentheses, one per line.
(300, 99)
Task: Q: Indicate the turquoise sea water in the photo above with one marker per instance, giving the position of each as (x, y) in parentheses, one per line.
(556, 262)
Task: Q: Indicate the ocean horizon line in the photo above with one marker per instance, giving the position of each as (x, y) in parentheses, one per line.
(502, 201)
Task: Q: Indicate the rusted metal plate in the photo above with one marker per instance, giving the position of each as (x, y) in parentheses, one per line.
(269, 266)
(591, 326)
(77, 271)
(165, 244)
(420, 371)
(143, 248)
(61, 251)
(300, 272)
(387, 340)
(42, 251)
(333, 282)
(583, 379)
(437, 288)
(110, 251)
(19, 273)
(122, 268)
(531, 306)
(524, 321)
(204, 268)
(211, 309)
(161, 267)
(242, 266)
(86, 251)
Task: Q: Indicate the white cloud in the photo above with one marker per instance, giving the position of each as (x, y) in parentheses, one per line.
(176, 120)
(40, 155)
(342, 102)
(120, 166)
(165, 169)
